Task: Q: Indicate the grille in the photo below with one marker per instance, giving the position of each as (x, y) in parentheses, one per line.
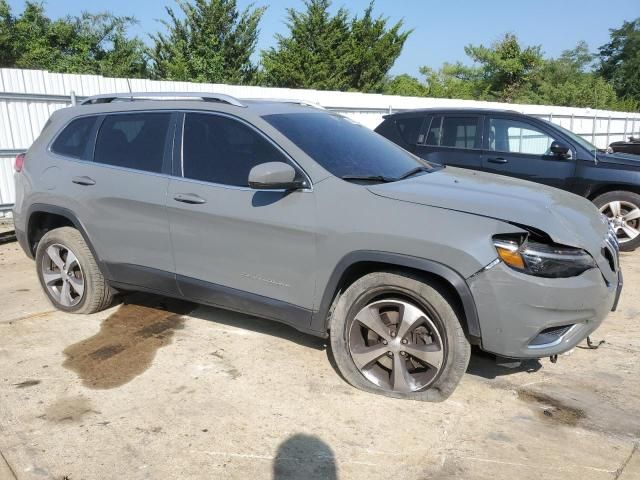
(611, 249)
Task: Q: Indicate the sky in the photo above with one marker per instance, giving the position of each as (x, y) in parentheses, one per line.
(441, 29)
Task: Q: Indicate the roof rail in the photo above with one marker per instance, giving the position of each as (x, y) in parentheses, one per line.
(305, 103)
(207, 97)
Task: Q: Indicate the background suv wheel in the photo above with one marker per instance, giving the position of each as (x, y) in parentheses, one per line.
(397, 335)
(69, 274)
(623, 210)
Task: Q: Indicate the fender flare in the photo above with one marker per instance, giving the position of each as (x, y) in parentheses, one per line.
(320, 318)
(69, 215)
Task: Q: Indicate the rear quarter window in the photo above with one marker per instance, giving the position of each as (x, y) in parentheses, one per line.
(75, 139)
(410, 129)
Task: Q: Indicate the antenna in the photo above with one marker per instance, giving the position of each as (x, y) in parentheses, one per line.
(130, 91)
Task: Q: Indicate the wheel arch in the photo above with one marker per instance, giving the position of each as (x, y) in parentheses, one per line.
(42, 218)
(356, 264)
(613, 187)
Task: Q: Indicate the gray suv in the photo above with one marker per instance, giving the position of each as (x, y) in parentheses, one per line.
(294, 214)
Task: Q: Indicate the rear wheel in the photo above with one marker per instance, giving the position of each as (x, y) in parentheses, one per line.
(69, 274)
(623, 210)
(396, 335)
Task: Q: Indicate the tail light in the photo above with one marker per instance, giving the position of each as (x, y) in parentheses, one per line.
(19, 162)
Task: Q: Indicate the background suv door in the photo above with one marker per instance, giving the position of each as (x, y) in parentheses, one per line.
(453, 139)
(230, 240)
(120, 196)
(520, 148)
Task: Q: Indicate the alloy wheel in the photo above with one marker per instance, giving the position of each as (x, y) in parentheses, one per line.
(396, 345)
(624, 217)
(62, 275)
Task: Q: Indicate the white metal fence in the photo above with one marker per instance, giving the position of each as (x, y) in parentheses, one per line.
(28, 97)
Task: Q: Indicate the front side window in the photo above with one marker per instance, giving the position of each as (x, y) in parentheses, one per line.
(219, 149)
(514, 136)
(345, 148)
(74, 140)
(135, 140)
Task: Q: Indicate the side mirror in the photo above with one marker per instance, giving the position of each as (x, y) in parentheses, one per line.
(274, 176)
(560, 149)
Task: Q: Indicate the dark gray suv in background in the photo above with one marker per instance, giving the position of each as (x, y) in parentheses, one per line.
(301, 216)
(522, 146)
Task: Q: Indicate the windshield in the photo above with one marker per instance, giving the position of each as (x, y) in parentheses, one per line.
(576, 138)
(345, 148)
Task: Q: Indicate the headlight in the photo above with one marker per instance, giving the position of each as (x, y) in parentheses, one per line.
(542, 259)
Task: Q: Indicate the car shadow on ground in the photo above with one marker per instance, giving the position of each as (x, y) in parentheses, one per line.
(482, 364)
(226, 317)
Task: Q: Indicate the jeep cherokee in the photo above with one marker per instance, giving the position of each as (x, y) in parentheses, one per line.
(294, 214)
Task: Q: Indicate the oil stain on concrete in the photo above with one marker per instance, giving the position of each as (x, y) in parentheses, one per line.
(127, 341)
(552, 408)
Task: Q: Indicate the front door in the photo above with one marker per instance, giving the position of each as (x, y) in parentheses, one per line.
(234, 246)
(518, 148)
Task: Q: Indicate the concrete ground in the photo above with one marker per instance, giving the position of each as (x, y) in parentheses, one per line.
(142, 392)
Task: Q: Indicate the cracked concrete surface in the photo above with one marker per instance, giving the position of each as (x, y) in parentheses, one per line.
(147, 391)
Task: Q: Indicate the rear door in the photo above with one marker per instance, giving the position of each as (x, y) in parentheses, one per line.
(453, 139)
(235, 246)
(520, 148)
(120, 196)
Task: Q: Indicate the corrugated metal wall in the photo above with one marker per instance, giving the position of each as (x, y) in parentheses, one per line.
(27, 98)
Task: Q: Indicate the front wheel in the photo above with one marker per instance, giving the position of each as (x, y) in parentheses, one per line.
(623, 210)
(397, 335)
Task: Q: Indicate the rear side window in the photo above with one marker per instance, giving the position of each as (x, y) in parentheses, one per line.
(411, 130)
(133, 140)
(456, 132)
(74, 140)
(219, 149)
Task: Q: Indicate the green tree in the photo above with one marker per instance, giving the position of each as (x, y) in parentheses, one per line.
(90, 43)
(405, 85)
(332, 52)
(620, 60)
(212, 43)
(505, 68)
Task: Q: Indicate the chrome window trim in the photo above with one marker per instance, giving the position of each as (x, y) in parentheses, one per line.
(170, 175)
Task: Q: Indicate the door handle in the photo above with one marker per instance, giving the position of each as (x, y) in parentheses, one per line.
(84, 180)
(190, 198)
(498, 160)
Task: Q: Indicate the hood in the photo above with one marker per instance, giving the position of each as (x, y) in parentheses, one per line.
(620, 159)
(567, 218)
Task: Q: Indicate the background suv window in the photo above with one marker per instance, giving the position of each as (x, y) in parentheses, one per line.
(218, 149)
(73, 141)
(134, 140)
(410, 130)
(514, 136)
(456, 132)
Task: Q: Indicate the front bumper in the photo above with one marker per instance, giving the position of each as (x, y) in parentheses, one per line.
(514, 308)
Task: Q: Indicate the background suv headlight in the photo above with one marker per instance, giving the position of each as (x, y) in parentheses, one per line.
(542, 259)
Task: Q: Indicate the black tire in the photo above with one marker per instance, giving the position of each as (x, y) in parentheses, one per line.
(97, 295)
(427, 296)
(629, 200)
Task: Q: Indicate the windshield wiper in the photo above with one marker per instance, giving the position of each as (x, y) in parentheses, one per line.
(368, 178)
(412, 172)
